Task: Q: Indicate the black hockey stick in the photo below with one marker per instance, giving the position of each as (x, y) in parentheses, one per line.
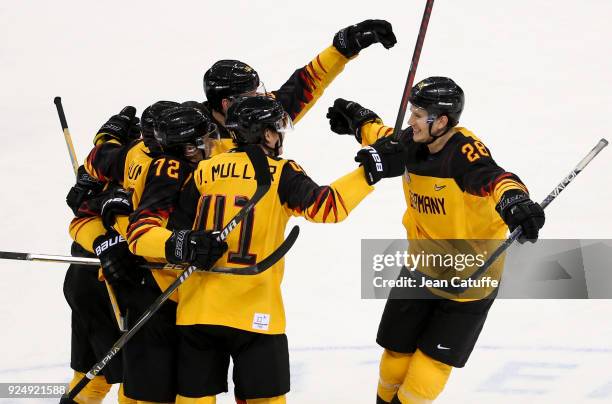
(412, 72)
(249, 270)
(263, 178)
(266, 262)
(517, 232)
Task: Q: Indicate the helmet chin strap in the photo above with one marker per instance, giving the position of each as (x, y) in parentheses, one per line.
(275, 151)
(435, 137)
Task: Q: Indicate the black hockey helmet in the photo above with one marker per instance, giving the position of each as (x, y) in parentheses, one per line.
(183, 126)
(227, 78)
(439, 96)
(151, 114)
(248, 117)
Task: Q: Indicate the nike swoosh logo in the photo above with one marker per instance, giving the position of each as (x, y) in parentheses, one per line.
(439, 187)
(442, 347)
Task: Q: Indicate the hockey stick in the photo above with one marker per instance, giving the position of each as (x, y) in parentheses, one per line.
(412, 72)
(75, 166)
(266, 262)
(249, 270)
(264, 180)
(67, 137)
(517, 232)
(64, 259)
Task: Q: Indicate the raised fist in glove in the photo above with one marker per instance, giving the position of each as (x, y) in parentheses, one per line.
(118, 263)
(351, 40)
(85, 188)
(516, 209)
(123, 127)
(199, 248)
(118, 202)
(347, 117)
(383, 159)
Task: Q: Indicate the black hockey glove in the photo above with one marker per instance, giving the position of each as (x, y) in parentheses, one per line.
(123, 127)
(199, 248)
(383, 159)
(118, 202)
(85, 188)
(351, 40)
(119, 265)
(516, 209)
(347, 117)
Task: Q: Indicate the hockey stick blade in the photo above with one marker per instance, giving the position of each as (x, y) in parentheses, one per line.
(259, 193)
(267, 262)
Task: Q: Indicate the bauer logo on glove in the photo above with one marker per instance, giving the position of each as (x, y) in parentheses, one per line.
(106, 244)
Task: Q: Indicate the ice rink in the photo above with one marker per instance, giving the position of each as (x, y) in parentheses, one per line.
(538, 93)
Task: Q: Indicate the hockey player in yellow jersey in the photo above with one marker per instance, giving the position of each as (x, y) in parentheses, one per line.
(155, 182)
(242, 317)
(149, 372)
(454, 191)
(94, 329)
(116, 146)
(230, 78)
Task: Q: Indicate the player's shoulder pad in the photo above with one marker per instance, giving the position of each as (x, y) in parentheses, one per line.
(469, 149)
(295, 167)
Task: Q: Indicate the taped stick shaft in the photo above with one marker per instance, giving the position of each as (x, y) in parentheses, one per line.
(67, 137)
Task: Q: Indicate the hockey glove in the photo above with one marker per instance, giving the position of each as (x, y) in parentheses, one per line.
(85, 188)
(383, 159)
(347, 117)
(516, 209)
(351, 40)
(119, 265)
(199, 248)
(123, 127)
(118, 202)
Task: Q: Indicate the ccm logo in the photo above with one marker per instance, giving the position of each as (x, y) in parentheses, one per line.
(376, 158)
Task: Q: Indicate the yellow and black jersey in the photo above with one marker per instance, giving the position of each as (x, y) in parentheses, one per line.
(108, 162)
(300, 92)
(306, 85)
(452, 195)
(156, 194)
(155, 184)
(223, 184)
(154, 181)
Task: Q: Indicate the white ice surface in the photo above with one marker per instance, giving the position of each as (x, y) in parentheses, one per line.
(537, 79)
